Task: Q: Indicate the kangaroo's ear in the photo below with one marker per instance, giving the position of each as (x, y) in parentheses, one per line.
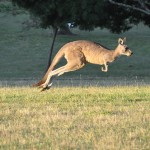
(120, 41)
(124, 39)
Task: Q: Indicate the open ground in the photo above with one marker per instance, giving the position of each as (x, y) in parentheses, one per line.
(75, 118)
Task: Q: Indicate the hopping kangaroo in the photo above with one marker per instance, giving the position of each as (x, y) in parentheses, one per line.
(78, 54)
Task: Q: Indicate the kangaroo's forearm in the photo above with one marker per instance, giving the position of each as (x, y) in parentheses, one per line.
(105, 68)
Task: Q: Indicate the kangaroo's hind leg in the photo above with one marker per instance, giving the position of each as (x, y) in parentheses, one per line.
(75, 61)
(51, 77)
(58, 72)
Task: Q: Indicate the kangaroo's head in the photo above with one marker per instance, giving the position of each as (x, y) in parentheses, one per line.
(122, 48)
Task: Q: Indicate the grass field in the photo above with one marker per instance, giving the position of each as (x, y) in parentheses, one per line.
(115, 118)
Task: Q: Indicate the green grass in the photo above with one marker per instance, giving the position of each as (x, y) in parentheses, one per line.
(75, 118)
(24, 54)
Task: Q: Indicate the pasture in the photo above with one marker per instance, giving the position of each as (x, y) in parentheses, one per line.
(86, 109)
(75, 118)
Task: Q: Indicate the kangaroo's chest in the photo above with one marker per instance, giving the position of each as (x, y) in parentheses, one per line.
(108, 58)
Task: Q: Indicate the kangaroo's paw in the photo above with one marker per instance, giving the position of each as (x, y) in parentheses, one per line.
(46, 87)
(105, 68)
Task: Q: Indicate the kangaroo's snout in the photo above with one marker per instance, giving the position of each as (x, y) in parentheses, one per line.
(131, 53)
(128, 52)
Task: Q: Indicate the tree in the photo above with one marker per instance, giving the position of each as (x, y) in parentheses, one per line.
(139, 9)
(96, 13)
(137, 5)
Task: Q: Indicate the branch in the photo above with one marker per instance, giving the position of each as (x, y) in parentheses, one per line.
(143, 5)
(147, 3)
(145, 10)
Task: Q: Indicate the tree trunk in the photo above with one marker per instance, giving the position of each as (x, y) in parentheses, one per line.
(55, 30)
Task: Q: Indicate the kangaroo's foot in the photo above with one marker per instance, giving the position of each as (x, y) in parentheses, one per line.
(46, 87)
(105, 68)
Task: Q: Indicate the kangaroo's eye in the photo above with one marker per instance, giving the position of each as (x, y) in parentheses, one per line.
(126, 48)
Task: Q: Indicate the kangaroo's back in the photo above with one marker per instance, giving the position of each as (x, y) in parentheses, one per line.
(93, 52)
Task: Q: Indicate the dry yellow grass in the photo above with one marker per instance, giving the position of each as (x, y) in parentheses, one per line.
(75, 118)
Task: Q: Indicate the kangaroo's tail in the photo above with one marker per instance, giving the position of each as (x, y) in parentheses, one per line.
(56, 59)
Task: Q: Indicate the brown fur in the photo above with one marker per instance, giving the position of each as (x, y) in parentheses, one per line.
(78, 53)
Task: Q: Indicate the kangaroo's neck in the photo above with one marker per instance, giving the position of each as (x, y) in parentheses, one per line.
(116, 52)
(110, 55)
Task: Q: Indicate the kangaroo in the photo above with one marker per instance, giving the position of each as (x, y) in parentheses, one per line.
(78, 54)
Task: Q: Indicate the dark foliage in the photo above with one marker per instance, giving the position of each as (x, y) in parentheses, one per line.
(86, 14)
